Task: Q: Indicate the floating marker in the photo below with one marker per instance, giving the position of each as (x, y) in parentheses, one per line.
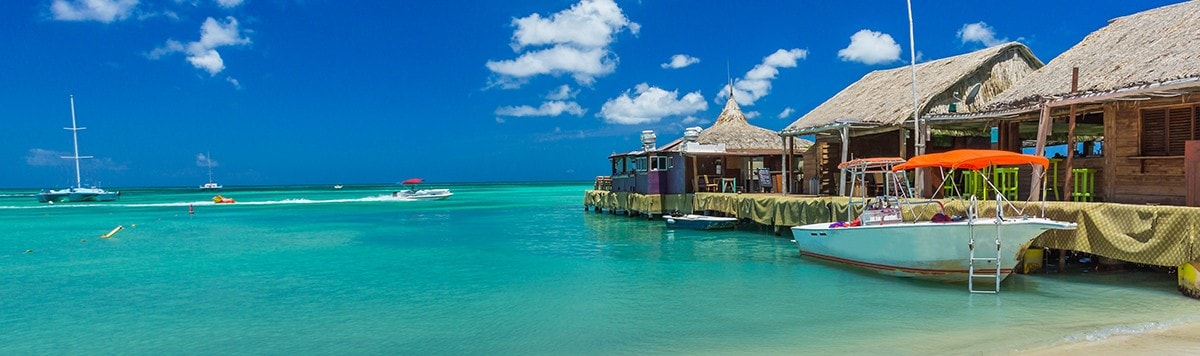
(191, 210)
(113, 232)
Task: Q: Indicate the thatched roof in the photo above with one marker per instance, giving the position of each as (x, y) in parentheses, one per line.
(737, 134)
(1150, 47)
(884, 97)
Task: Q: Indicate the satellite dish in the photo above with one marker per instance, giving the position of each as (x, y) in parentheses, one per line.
(971, 93)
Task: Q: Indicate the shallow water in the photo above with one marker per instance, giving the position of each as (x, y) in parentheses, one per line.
(495, 269)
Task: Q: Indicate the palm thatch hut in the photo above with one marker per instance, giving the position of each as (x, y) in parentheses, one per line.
(873, 116)
(1132, 109)
(737, 156)
(730, 156)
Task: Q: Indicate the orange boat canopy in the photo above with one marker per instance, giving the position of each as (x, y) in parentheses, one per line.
(972, 160)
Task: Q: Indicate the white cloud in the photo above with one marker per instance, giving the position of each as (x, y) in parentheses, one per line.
(979, 32)
(751, 114)
(574, 41)
(202, 53)
(692, 120)
(105, 11)
(203, 160)
(787, 112)
(870, 47)
(583, 64)
(650, 104)
(588, 24)
(236, 84)
(680, 61)
(39, 157)
(229, 3)
(549, 108)
(563, 92)
(757, 82)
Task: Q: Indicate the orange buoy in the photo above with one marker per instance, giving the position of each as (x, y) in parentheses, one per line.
(191, 210)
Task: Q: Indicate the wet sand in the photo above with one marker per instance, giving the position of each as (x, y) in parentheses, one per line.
(1176, 340)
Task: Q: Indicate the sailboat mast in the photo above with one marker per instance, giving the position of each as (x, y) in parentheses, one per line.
(208, 159)
(75, 139)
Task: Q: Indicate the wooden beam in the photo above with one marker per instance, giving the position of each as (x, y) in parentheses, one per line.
(1035, 184)
(1070, 136)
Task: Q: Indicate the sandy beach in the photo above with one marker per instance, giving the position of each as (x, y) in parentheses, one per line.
(1176, 340)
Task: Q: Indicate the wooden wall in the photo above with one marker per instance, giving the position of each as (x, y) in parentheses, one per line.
(1130, 178)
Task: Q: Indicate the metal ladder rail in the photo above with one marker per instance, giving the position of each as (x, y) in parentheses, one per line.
(971, 274)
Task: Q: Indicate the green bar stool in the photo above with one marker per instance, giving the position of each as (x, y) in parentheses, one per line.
(1084, 183)
(974, 184)
(949, 189)
(1005, 179)
(1052, 183)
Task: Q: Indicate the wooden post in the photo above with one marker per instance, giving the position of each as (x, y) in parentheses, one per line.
(1035, 184)
(1070, 136)
(845, 153)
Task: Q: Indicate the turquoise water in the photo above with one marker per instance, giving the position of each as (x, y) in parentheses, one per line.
(495, 269)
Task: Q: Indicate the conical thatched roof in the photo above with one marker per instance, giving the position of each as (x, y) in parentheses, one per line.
(737, 134)
(1149, 47)
(884, 97)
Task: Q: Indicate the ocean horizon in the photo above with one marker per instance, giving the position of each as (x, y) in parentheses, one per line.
(498, 268)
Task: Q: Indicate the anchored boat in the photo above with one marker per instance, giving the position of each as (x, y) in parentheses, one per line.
(943, 248)
(699, 222)
(77, 193)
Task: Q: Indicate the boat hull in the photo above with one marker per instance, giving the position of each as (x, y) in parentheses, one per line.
(424, 194)
(699, 222)
(75, 195)
(927, 250)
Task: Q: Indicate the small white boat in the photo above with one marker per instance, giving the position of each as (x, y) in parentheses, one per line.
(413, 193)
(211, 185)
(959, 249)
(699, 222)
(78, 193)
(337, 186)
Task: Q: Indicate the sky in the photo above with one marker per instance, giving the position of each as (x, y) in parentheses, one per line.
(353, 92)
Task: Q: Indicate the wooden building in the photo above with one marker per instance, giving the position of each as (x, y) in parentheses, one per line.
(1134, 108)
(873, 116)
(730, 156)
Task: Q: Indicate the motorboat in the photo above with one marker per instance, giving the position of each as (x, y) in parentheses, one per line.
(412, 193)
(699, 222)
(337, 186)
(954, 249)
(77, 193)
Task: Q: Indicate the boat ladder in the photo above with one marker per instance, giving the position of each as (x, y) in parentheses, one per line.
(983, 272)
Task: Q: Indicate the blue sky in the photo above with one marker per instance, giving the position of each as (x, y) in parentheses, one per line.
(323, 92)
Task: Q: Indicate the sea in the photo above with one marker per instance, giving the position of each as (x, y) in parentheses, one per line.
(497, 269)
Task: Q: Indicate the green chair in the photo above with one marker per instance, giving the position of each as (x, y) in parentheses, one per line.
(1052, 183)
(1084, 183)
(974, 183)
(1005, 179)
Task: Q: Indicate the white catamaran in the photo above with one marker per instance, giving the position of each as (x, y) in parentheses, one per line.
(211, 185)
(78, 192)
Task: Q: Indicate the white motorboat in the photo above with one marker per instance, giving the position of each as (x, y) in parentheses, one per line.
(78, 193)
(954, 249)
(412, 193)
(699, 222)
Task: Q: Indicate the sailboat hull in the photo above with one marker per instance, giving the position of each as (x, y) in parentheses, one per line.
(75, 195)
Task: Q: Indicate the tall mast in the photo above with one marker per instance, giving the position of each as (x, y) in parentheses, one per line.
(918, 135)
(75, 138)
(208, 159)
